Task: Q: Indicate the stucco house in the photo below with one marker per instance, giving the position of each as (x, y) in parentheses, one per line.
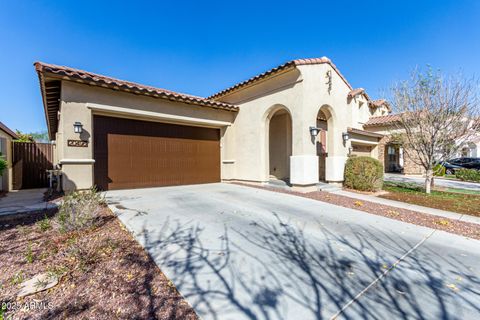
(6, 138)
(392, 154)
(470, 149)
(297, 122)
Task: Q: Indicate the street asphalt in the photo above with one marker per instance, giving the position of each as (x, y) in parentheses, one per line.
(236, 252)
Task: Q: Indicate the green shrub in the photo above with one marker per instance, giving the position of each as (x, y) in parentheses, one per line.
(439, 170)
(468, 175)
(363, 173)
(80, 210)
(3, 164)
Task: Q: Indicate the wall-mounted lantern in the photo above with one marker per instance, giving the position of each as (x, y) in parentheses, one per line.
(345, 137)
(77, 127)
(314, 131)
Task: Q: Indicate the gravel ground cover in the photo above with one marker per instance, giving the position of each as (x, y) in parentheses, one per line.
(467, 229)
(104, 273)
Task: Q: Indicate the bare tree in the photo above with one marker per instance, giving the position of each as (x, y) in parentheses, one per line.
(436, 116)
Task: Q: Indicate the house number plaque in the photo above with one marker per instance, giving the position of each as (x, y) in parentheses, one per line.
(77, 143)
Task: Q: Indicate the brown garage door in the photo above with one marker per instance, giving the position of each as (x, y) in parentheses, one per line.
(138, 154)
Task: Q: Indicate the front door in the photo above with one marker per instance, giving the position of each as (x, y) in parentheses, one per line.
(322, 154)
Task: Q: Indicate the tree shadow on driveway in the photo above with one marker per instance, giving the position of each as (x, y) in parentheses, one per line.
(277, 270)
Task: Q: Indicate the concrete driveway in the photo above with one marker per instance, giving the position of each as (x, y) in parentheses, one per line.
(438, 182)
(236, 252)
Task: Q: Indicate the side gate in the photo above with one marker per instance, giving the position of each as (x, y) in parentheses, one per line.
(30, 161)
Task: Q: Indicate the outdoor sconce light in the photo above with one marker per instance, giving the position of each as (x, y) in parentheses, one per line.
(77, 127)
(314, 131)
(345, 136)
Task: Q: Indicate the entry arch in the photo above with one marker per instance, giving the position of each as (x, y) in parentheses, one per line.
(325, 142)
(278, 142)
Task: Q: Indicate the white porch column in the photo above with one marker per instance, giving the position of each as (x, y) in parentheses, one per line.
(400, 156)
(304, 170)
(335, 167)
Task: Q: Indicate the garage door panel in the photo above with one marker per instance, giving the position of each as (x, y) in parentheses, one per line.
(136, 154)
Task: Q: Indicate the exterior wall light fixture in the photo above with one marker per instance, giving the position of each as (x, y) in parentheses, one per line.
(314, 131)
(345, 136)
(77, 127)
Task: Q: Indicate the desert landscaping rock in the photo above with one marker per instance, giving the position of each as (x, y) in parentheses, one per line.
(38, 283)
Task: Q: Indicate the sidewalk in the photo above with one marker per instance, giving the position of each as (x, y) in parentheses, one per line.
(19, 202)
(441, 182)
(408, 206)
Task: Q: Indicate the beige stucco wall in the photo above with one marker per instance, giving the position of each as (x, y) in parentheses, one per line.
(364, 144)
(6, 179)
(80, 102)
(257, 105)
(302, 92)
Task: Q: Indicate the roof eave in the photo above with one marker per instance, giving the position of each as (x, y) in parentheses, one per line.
(365, 133)
(58, 73)
(41, 80)
(290, 64)
(254, 80)
(62, 73)
(8, 131)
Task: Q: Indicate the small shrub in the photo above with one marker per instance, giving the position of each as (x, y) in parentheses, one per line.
(439, 170)
(57, 271)
(363, 173)
(84, 255)
(79, 210)
(3, 164)
(17, 278)
(29, 253)
(468, 175)
(44, 224)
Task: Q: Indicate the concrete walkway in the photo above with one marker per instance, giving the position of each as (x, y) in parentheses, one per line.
(23, 201)
(408, 206)
(438, 181)
(236, 252)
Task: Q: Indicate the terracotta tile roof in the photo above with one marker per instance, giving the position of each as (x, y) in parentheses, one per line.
(67, 73)
(379, 103)
(288, 65)
(356, 92)
(382, 120)
(7, 130)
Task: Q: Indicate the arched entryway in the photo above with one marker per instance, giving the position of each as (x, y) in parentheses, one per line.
(279, 144)
(324, 122)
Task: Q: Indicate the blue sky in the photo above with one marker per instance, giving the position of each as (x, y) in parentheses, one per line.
(202, 47)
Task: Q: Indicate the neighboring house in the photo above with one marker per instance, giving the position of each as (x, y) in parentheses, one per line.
(470, 149)
(392, 154)
(117, 134)
(6, 137)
